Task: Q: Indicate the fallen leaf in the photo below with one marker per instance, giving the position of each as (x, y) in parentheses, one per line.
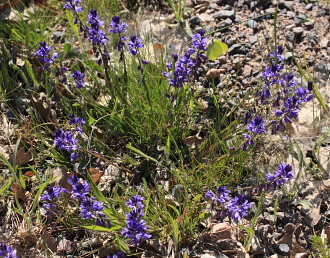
(49, 241)
(64, 246)
(22, 157)
(43, 106)
(19, 191)
(96, 175)
(220, 231)
(60, 176)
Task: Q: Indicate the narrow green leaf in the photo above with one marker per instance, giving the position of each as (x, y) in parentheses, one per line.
(38, 194)
(97, 228)
(129, 146)
(31, 73)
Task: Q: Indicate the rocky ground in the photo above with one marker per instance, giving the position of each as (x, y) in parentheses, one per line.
(248, 28)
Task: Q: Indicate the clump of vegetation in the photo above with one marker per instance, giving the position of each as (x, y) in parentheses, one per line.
(102, 102)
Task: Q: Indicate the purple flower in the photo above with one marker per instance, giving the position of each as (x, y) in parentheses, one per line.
(45, 56)
(7, 251)
(186, 67)
(65, 140)
(118, 255)
(238, 207)
(75, 5)
(116, 26)
(222, 195)
(136, 226)
(49, 198)
(248, 141)
(257, 125)
(278, 53)
(96, 35)
(283, 174)
(199, 41)
(94, 19)
(134, 45)
(91, 208)
(79, 121)
(283, 92)
(79, 78)
(80, 188)
(60, 73)
(53, 193)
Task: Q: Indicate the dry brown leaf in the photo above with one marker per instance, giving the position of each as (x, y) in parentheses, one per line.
(43, 106)
(95, 174)
(49, 241)
(220, 231)
(60, 176)
(22, 157)
(19, 191)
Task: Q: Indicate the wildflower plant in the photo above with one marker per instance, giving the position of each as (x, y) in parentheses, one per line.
(66, 140)
(282, 92)
(7, 251)
(237, 207)
(136, 229)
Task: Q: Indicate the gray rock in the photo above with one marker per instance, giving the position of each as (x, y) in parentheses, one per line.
(253, 39)
(195, 21)
(214, 6)
(225, 23)
(298, 31)
(324, 43)
(286, 4)
(247, 70)
(224, 14)
(237, 49)
(309, 7)
(284, 248)
(290, 14)
(288, 56)
(289, 36)
(252, 24)
(205, 17)
(309, 25)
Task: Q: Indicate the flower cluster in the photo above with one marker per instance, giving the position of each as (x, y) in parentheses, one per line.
(283, 174)
(73, 5)
(181, 70)
(134, 45)
(65, 140)
(79, 78)
(7, 251)
(256, 126)
(237, 207)
(90, 208)
(49, 198)
(96, 35)
(283, 92)
(118, 255)
(136, 226)
(45, 55)
(116, 26)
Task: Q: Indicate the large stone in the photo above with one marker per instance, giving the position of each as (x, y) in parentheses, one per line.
(224, 14)
(252, 24)
(205, 17)
(298, 31)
